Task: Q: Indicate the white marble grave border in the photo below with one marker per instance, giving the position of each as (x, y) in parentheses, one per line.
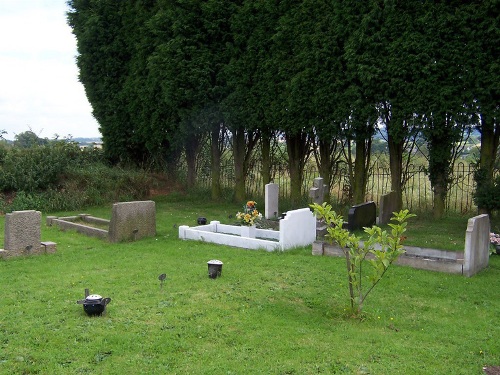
(298, 228)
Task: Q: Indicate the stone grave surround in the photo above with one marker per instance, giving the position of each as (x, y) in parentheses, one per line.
(130, 221)
(298, 228)
(472, 260)
(23, 235)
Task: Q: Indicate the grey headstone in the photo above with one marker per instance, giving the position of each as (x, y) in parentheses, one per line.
(318, 191)
(22, 232)
(388, 205)
(131, 221)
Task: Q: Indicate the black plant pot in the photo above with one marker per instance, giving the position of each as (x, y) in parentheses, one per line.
(94, 304)
(202, 220)
(214, 268)
(93, 308)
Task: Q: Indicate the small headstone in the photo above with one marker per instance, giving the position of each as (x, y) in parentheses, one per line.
(271, 201)
(362, 215)
(388, 205)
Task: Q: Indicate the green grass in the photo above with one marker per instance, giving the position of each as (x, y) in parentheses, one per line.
(269, 313)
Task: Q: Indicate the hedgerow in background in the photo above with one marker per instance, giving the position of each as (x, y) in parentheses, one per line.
(61, 176)
(383, 247)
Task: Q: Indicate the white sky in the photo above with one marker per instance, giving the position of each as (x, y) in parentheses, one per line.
(39, 87)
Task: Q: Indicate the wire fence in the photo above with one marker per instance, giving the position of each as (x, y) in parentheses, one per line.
(417, 193)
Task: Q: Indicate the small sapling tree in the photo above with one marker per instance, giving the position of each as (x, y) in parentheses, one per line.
(380, 250)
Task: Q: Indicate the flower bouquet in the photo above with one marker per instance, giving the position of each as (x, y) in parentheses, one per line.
(250, 215)
(495, 242)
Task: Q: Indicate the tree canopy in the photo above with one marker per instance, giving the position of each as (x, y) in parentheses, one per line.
(164, 75)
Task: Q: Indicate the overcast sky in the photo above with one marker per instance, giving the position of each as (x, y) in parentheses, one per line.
(39, 87)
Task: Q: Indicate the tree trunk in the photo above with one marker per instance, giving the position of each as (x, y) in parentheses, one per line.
(439, 201)
(396, 167)
(239, 165)
(296, 146)
(489, 147)
(191, 148)
(361, 165)
(265, 146)
(215, 157)
(325, 165)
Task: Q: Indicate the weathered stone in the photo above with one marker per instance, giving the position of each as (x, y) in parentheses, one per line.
(388, 205)
(22, 231)
(131, 221)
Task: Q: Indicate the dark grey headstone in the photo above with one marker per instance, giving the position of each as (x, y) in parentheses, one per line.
(362, 215)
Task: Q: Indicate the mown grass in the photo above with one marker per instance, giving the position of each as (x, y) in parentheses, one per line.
(269, 313)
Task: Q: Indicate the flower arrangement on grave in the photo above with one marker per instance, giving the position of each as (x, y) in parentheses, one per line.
(250, 214)
(495, 239)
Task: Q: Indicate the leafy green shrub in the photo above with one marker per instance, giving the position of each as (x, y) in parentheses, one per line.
(379, 251)
(40, 168)
(60, 176)
(487, 194)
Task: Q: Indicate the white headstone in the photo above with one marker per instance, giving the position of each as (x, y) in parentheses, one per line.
(298, 228)
(477, 243)
(271, 201)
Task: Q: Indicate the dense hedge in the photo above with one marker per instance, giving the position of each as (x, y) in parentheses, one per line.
(61, 176)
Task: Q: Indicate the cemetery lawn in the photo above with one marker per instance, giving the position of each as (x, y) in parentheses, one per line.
(269, 313)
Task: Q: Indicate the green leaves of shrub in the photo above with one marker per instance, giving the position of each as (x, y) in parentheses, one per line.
(380, 251)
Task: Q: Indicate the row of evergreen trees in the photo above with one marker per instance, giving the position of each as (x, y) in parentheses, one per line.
(166, 76)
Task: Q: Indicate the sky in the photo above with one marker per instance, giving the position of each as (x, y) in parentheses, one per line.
(39, 87)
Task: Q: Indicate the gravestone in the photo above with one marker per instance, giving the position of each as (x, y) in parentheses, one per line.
(131, 221)
(298, 228)
(388, 205)
(477, 244)
(271, 201)
(23, 234)
(318, 191)
(362, 215)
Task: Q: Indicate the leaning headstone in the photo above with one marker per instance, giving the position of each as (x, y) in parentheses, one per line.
(271, 201)
(131, 221)
(388, 205)
(318, 191)
(362, 215)
(477, 243)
